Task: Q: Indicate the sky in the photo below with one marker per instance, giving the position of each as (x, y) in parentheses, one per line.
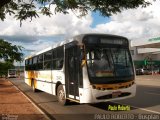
(44, 31)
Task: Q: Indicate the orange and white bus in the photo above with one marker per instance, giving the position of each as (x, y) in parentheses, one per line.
(88, 68)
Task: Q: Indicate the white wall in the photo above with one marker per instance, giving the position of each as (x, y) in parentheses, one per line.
(142, 54)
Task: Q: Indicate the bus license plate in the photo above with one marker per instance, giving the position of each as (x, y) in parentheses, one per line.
(116, 94)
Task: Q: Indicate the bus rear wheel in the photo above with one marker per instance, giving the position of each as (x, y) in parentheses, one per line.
(61, 96)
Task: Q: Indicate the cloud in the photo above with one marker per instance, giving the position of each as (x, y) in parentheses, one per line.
(44, 27)
(31, 38)
(19, 38)
(134, 23)
(44, 30)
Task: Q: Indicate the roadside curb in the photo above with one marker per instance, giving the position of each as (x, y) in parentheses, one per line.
(40, 109)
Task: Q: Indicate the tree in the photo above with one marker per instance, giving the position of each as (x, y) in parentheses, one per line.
(23, 9)
(4, 66)
(9, 52)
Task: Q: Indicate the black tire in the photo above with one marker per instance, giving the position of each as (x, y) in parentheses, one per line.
(33, 87)
(61, 96)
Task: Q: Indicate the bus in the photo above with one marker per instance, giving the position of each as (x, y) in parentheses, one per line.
(87, 68)
(12, 73)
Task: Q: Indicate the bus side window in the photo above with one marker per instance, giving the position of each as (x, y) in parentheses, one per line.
(26, 64)
(47, 60)
(35, 63)
(58, 56)
(54, 55)
(30, 62)
(40, 62)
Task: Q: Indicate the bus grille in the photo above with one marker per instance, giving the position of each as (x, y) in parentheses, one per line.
(109, 96)
(112, 86)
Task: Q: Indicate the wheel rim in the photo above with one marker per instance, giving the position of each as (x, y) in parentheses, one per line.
(61, 96)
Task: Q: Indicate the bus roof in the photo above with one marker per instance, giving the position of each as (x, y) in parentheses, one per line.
(77, 38)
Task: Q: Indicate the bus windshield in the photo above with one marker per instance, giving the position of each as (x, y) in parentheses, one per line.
(109, 62)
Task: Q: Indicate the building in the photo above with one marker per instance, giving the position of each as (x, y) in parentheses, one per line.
(146, 52)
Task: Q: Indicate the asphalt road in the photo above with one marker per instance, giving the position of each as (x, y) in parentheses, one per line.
(146, 102)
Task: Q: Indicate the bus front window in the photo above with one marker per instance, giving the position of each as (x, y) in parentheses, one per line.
(109, 62)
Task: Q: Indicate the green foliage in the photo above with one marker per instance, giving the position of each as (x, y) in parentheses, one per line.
(10, 52)
(4, 66)
(24, 9)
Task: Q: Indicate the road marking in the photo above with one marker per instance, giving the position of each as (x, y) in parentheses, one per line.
(152, 93)
(144, 80)
(155, 112)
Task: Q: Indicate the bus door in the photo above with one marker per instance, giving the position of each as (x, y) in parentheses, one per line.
(73, 72)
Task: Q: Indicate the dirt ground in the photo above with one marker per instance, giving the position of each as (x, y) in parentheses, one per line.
(14, 105)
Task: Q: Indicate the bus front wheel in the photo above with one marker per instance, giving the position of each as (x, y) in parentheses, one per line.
(61, 95)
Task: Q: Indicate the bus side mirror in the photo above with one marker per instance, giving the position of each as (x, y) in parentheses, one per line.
(82, 57)
(83, 63)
